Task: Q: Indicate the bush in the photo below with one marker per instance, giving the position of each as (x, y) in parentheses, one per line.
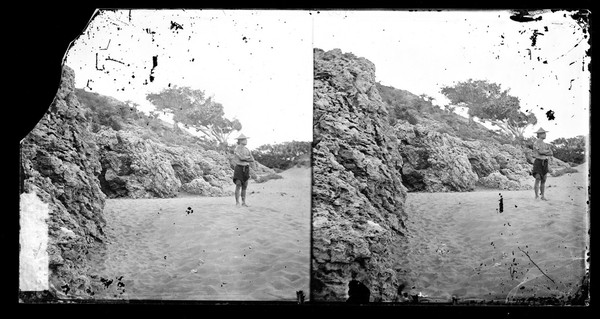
(106, 111)
(284, 155)
(570, 149)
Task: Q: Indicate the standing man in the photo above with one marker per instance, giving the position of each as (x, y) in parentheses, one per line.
(542, 154)
(241, 172)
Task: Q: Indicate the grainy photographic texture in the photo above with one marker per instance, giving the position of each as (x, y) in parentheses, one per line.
(430, 157)
(450, 157)
(129, 191)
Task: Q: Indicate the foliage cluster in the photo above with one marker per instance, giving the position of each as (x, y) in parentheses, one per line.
(406, 106)
(284, 155)
(104, 111)
(489, 102)
(570, 150)
(195, 110)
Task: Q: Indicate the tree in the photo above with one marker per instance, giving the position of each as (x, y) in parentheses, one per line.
(193, 109)
(488, 102)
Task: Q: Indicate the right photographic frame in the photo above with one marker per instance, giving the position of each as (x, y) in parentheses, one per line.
(450, 157)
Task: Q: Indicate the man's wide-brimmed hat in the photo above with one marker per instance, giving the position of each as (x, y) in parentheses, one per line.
(241, 137)
(541, 130)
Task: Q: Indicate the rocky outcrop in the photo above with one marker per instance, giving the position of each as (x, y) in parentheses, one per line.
(135, 167)
(60, 165)
(357, 192)
(439, 162)
(433, 161)
(260, 173)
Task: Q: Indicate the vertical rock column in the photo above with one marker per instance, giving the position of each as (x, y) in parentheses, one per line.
(60, 167)
(358, 197)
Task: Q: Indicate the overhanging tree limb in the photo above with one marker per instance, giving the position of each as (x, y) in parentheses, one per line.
(193, 109)
(488, 102)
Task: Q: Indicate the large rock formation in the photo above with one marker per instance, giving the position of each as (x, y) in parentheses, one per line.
(358, 197)
(433, 161)
(439, 162)
(60, 164)
(135, 167)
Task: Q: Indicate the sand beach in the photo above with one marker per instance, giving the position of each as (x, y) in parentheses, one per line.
(206, 248)
(469, 247)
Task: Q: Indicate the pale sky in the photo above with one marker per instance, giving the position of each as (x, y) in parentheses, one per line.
(422, 51)
(258, 65)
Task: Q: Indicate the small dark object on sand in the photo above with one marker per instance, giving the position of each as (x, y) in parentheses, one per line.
(300, 296)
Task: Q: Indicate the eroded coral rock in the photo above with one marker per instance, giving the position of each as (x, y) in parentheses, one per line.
(358, 197)
(61, 164)
(135, 167)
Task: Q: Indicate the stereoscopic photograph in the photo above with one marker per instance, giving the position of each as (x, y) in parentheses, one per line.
(450, 157)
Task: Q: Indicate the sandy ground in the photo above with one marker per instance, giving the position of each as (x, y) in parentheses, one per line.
(203, 248)
(464, 245)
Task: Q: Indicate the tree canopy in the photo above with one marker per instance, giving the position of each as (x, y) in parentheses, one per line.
(194, 109)
(489, 102)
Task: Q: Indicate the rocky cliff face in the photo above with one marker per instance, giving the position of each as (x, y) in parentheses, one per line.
(60, 165)
(358, 197)
(135, 167)
(439, 162)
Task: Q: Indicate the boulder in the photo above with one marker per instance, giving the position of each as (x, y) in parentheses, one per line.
(199, 186)
(357, 192)
(259, 172)
(433, 161)
(499, 181)
(135, 167)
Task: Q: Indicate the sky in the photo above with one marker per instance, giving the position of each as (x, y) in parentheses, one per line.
(423, 51)
(258, 64)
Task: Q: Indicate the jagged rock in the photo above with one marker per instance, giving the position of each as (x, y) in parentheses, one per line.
(60, 165)
(259, 172)
(439, 162)
(557, 165)
(199, 186)
(135, 167)
(499, 181)
(433, 161)
(357, 192)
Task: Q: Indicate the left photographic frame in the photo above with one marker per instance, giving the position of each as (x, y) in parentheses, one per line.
(128, 184)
